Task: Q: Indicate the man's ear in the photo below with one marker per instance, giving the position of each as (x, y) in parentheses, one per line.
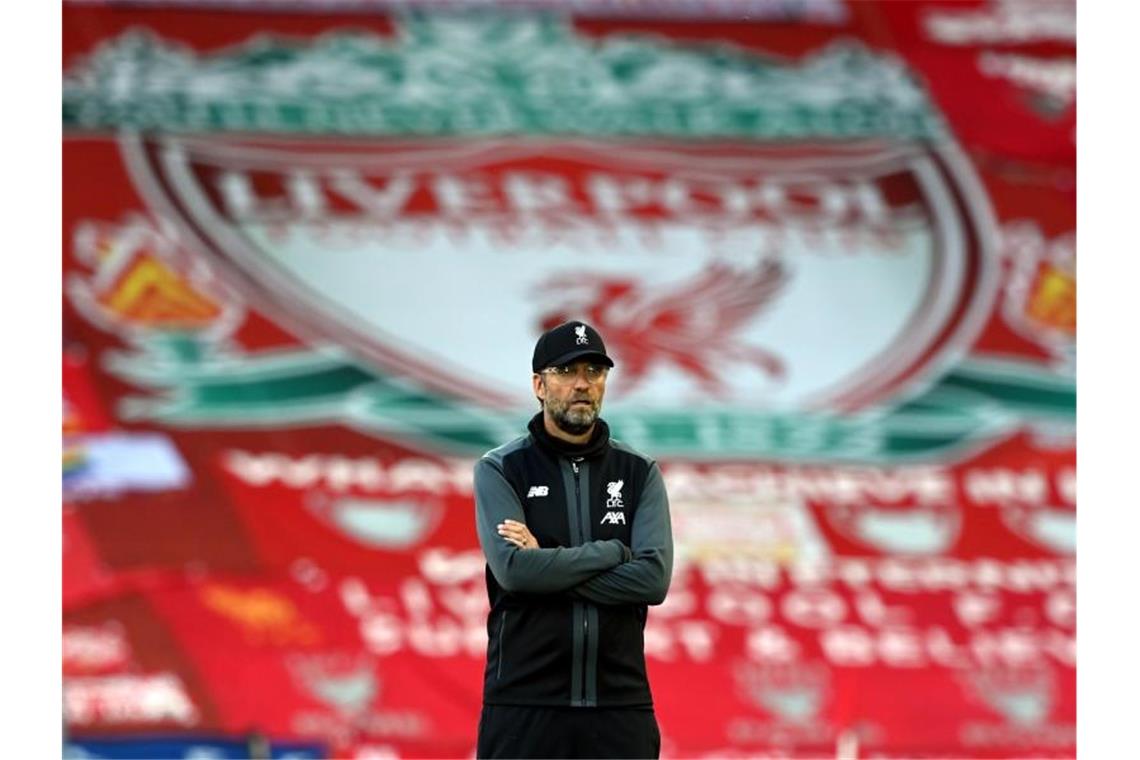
(539, 387)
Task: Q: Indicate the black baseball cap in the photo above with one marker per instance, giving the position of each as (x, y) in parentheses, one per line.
(567, 342)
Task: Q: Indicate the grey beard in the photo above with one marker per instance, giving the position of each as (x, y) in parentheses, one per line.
(573, 421)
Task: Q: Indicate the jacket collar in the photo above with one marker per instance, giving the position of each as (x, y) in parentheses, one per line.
(597, 444)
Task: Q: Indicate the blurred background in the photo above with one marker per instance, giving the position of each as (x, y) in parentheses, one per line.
(308, 247)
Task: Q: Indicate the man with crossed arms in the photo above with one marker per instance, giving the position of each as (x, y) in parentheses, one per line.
(575, 529)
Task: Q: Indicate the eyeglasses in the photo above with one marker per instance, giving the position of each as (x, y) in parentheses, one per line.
(594, 372)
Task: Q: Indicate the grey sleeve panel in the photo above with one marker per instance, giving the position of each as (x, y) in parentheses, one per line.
(645, 578)
(535, 571)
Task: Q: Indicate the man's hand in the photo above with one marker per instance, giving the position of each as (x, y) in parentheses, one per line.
(518, 534)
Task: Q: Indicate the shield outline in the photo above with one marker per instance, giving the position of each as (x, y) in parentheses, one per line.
(963, 221)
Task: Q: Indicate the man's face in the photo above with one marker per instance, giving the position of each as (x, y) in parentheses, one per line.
(572, 394)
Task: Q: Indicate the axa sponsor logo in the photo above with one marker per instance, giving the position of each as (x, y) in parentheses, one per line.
(614, 504)
(264, 616)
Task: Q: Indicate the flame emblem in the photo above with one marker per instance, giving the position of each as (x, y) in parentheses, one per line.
(139, 281)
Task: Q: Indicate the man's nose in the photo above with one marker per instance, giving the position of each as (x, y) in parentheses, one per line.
(580, 380)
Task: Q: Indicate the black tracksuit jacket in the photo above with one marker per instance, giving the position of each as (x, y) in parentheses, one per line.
(567, 620)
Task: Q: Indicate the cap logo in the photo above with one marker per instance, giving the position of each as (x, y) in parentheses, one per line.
(580, 331)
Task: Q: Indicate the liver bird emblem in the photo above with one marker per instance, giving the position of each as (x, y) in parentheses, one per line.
(692, 326)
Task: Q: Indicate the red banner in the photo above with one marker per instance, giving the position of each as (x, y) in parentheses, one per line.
(306, 257)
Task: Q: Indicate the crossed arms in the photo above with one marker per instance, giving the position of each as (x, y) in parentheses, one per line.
(603, 572)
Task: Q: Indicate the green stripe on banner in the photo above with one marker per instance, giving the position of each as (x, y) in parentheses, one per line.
(971, 405)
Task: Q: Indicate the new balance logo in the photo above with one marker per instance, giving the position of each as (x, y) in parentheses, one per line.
(538, 491)
(614, 518)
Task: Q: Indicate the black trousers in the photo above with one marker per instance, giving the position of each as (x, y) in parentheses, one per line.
(509, 731)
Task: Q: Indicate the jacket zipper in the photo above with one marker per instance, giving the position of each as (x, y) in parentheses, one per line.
(502, 634)
(585, 610)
